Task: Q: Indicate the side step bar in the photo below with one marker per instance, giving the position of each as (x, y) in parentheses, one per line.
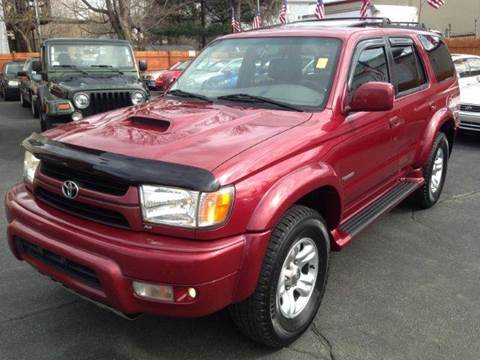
(365, 217)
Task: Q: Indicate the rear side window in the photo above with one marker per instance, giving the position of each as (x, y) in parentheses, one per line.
(407, 70)
(371, 66)
(439, 56)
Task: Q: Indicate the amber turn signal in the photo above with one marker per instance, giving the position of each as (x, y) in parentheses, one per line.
(215, 207)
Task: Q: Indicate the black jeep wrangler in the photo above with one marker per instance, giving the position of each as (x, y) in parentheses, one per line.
(83, 77)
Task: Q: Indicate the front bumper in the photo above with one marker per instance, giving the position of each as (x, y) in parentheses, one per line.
(12, 91)
(211, 267)
(469, 121)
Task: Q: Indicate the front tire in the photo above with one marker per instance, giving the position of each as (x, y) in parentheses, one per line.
(434, 172)
(33, 107)
(291, 283)
(22, 101)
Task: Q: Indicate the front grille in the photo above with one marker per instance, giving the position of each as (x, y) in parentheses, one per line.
(85, 179)
(106, 101)
(470, 108)
(86, 211)
(58, 262)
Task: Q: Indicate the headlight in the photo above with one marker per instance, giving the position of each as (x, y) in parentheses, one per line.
(137, 97)
(30, 165)
(185, 208)
(81, 100)
(12, 82)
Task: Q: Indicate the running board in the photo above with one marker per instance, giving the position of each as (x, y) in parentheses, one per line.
(388, 201)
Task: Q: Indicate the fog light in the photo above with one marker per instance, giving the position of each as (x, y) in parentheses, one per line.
(192, 293)
(77, 116)
(153, 291)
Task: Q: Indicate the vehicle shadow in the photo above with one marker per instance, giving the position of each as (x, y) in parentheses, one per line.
(155, 337)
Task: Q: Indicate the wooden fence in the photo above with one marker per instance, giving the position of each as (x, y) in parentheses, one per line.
(157, 60)
(464, 46)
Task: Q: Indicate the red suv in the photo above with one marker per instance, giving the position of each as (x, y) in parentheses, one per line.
(232, 189)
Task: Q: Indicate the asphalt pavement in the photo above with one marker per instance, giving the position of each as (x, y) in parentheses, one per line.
(407, 288)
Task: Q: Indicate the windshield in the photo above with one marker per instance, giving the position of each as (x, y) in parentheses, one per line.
(91, 56)
(293, 70)
(13, 68)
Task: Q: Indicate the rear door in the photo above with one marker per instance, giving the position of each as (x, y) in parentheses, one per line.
(412, 106)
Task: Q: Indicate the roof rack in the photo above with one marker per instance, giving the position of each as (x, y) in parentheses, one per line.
(361, 22)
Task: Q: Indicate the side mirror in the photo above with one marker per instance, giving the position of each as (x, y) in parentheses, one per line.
(22, 74)
(142, 65)
(373, 96)
(37, 66)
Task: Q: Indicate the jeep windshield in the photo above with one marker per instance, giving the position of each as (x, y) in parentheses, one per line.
(291, 71)
(90, 57)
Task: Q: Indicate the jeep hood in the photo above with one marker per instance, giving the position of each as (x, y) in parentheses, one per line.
(190, 133)
(98, 82)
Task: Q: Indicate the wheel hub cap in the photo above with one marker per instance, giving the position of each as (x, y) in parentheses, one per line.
(437, 171)
(297, 278)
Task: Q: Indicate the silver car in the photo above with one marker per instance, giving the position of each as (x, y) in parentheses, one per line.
(468, 69)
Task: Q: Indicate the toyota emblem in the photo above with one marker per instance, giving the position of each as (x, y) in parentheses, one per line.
(70, 189)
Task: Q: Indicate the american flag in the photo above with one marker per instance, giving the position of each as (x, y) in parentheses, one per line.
(436, 3)
(257, 20)
(320, 10)
(235, 23)
(366, 5)
(283, 13)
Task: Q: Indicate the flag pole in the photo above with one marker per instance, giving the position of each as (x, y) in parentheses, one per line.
(420, 8)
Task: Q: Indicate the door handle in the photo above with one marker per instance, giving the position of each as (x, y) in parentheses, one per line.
(394, 122)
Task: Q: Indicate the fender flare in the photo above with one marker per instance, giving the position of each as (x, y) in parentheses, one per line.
(288, 190)
(441, 117)
(281, 196)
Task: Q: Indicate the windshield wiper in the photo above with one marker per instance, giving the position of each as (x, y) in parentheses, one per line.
(109, 67)
(71, 67)
(258, 99)
(186, 94)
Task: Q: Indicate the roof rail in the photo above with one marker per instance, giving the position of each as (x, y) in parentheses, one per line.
(383, 22)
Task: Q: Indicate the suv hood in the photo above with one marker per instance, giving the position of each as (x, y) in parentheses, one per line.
(469, 94)
(196, 134)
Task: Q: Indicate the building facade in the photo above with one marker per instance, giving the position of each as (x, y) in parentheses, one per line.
(455, 18)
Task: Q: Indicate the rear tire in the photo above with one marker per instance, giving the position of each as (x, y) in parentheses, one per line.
(434, 172)
(290, 288)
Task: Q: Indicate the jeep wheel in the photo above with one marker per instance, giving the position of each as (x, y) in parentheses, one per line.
(434, 172)
(33, 107)
(22, 100)
(291, 283)
(45, 121)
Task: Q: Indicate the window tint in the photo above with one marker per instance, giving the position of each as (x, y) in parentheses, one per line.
(439, 56)
(371, 66)
(407, 71)
(474, 65)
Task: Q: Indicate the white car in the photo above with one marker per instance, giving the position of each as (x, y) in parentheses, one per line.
(468, 69)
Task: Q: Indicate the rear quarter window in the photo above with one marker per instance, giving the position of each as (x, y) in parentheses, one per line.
(439, 56)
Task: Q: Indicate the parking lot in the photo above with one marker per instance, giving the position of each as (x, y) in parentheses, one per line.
(407, 288)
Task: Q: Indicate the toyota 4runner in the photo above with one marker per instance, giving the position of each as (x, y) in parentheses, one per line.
(232, 189)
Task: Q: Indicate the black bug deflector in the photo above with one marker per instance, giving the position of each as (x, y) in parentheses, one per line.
(130, 170)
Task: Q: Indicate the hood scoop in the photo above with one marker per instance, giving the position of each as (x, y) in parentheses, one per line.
(148, 123)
